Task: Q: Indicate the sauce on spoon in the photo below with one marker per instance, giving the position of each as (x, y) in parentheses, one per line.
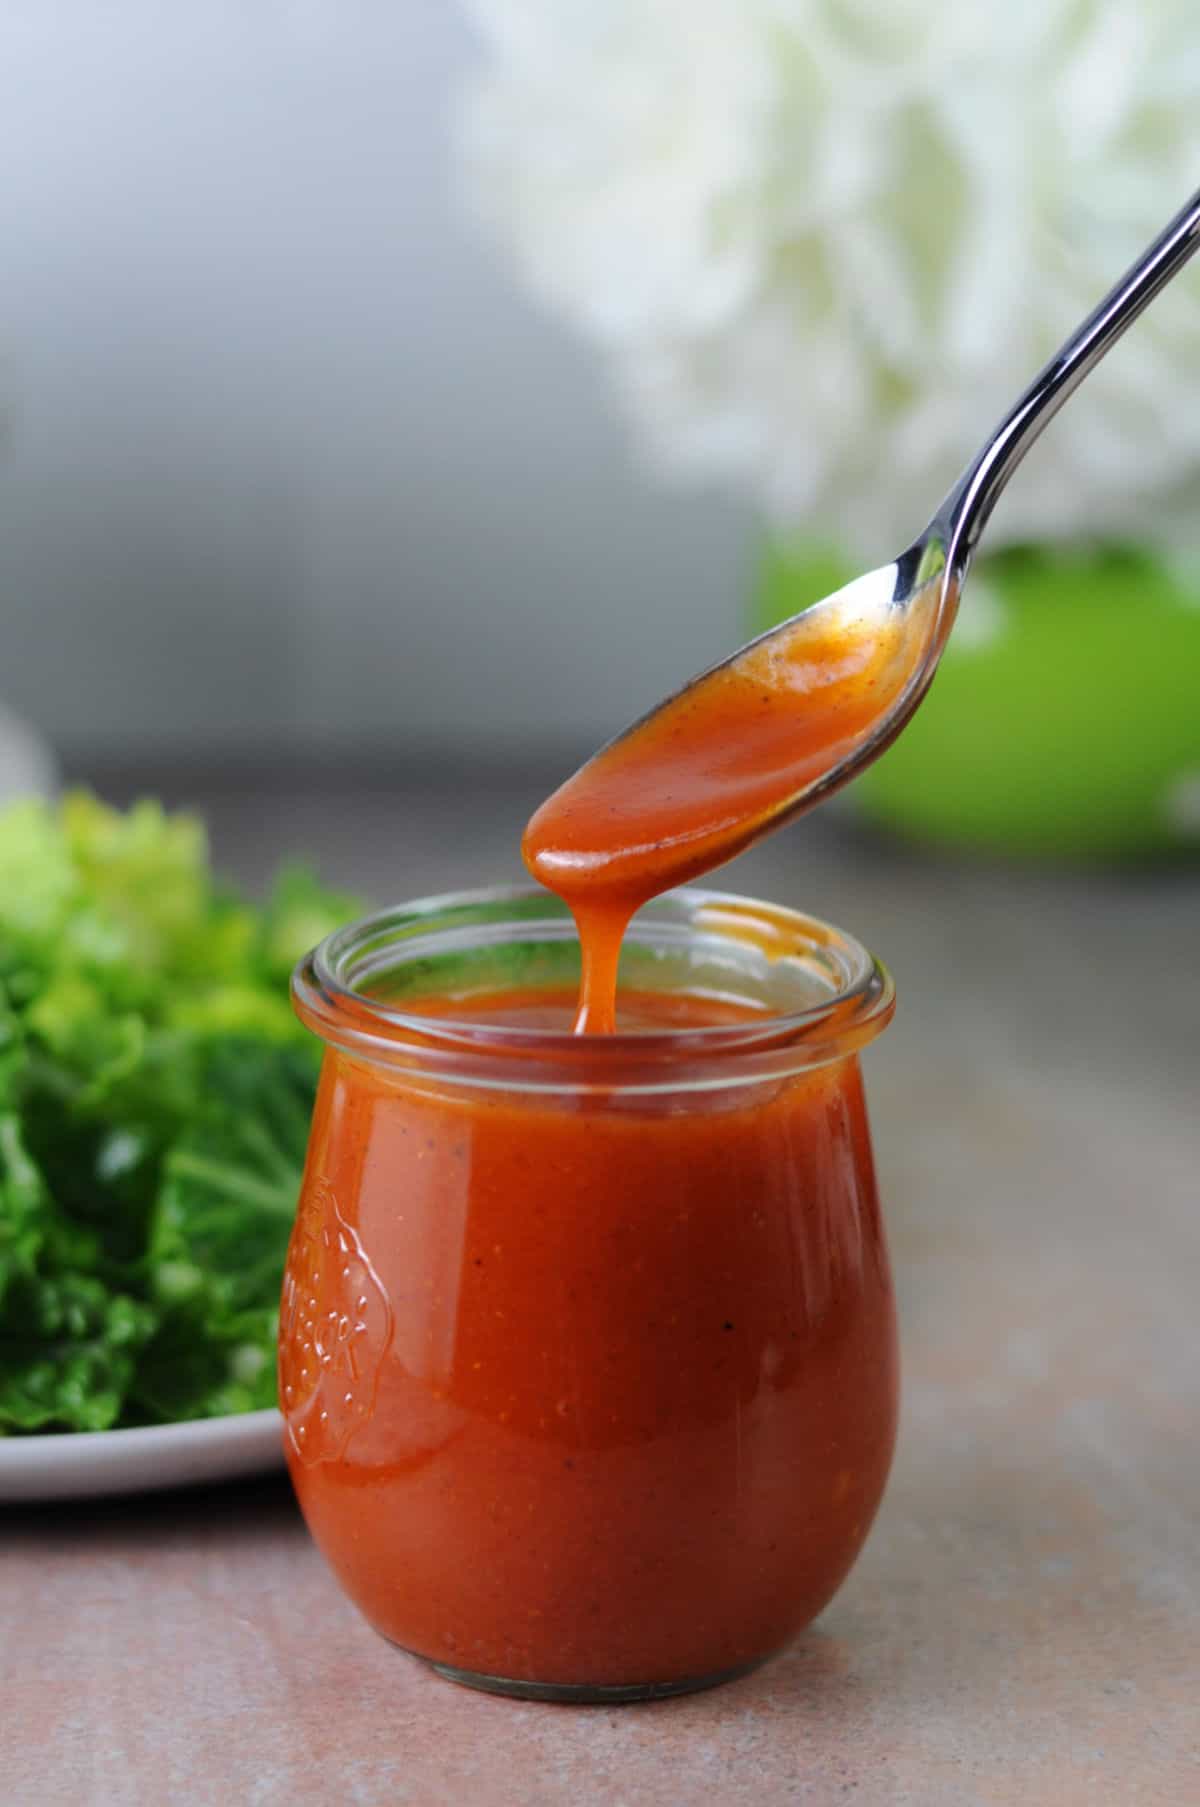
(700, 777)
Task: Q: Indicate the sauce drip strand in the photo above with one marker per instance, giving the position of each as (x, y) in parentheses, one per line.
(702, 776)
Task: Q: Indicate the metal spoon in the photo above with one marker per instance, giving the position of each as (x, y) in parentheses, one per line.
(921, 589)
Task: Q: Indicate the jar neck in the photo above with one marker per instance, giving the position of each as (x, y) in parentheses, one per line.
(815, 994)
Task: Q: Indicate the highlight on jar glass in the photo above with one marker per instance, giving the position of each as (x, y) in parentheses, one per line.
(588, 1343)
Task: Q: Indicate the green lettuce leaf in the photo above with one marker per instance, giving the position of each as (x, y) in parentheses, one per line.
(68, 1350)
(155, 1091)
(23, 1200)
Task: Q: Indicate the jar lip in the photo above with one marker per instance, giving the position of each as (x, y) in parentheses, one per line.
(860, 1003)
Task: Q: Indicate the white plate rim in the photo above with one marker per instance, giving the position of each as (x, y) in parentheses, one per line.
(90, 1464)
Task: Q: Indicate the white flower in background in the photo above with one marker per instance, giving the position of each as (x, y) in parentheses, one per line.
(824, 242)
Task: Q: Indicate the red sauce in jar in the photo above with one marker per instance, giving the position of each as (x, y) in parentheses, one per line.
(584, 1390)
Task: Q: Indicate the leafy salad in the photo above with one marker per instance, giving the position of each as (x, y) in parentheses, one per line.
(155, 1091)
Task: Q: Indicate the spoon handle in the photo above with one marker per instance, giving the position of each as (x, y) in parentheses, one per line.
(964, 514)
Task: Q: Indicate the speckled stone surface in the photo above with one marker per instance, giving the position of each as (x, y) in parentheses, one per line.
(1024, 1626)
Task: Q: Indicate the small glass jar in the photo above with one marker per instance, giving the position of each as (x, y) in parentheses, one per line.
(588, 1344)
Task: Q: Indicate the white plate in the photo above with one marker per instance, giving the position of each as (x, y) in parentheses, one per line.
(87, 1464)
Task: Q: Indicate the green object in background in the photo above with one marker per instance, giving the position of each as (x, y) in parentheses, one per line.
(1065, 719)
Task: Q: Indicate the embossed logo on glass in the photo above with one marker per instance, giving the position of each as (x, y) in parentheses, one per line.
(335, 1328)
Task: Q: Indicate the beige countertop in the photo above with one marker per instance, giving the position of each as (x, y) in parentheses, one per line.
(1024, 1625)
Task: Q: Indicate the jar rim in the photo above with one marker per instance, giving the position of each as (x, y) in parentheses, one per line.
(859, 1000)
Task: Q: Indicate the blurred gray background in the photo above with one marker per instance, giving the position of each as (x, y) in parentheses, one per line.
(268, 478)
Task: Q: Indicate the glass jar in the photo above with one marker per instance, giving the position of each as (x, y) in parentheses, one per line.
(588, 1345)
